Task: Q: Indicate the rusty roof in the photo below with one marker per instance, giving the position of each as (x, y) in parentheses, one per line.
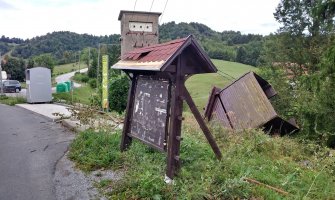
(158, 57)
(245, 104)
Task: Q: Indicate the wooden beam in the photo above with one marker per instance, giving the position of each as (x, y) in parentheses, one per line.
(201, 123)
(173, 164)
(126, 140)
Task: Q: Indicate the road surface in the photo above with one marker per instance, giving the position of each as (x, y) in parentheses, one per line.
(30, 146)
(67, 77)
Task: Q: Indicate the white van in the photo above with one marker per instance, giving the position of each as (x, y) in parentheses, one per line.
(4, 75)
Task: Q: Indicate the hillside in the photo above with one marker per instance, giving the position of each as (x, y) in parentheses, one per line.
(201, 84)
(64, 45)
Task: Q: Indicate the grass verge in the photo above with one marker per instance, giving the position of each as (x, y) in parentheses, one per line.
(303, 169)
(80, 95)
(11, 100)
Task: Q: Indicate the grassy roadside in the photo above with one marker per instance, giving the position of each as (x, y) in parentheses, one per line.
(80, 95)
(304, 170)
(11, 101)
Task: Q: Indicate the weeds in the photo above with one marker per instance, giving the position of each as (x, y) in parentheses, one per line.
(300, 168)
(11, 101)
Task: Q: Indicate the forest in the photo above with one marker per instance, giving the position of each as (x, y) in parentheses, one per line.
(64, 46)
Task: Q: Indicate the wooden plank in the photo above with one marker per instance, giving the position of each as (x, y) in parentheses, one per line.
(126, 140)
(201, 123)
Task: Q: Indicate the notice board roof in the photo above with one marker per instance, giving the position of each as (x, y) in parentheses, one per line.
(159, 57)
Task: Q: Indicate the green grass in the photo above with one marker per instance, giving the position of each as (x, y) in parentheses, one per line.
(66, 68)
(303, 170)
(80, 95)
(12, 100)
(200, 85)
(23, 85)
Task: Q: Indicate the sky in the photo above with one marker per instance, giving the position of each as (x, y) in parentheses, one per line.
(29, 18)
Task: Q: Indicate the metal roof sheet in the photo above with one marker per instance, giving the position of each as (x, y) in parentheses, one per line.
(158, 57)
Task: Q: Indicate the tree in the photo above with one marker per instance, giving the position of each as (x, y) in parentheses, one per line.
(241, 55)
(15, 68)
(92, 70)
(45, 60)
(304, 50)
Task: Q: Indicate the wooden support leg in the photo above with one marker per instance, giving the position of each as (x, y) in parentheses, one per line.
(201, 122)
(126, 140)
(173, 163)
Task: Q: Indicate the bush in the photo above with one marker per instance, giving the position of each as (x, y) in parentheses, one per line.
(84, 78)
(80, 77)
(93, 83)
(118, 93)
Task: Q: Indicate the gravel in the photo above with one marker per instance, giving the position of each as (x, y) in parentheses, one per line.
(73, 184)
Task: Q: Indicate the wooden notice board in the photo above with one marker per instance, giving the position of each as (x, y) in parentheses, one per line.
(149, 121)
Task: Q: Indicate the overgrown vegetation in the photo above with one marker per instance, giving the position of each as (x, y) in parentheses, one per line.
(118, 93)
(11, 101)
(301, 60)
(80, 77)
(304, 171)
(84, 95)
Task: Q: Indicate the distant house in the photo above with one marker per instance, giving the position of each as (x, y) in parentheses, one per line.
(4, 75)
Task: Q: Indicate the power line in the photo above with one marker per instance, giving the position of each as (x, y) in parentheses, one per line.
(226, 75)
(163, 11)
(152, 3)
(131, 19)
(135, 4)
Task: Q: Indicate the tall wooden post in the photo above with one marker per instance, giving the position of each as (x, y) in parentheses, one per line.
(126, 140)
(173, 162)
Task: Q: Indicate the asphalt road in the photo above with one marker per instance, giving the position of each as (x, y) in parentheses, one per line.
(67, 77)
(30, 146)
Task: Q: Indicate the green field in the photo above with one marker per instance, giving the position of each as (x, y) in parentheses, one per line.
(200, 85)
(66, 68)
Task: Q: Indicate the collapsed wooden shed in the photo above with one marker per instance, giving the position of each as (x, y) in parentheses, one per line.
(245, 104)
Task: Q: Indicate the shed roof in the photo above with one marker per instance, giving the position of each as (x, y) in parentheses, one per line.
(137, 12)
(160, 56)
(244, 104)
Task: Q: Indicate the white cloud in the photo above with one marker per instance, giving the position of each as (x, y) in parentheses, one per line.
(38, 17)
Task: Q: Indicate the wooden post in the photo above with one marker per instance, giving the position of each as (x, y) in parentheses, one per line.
(126, 140)
(201, 123)
(173, 163)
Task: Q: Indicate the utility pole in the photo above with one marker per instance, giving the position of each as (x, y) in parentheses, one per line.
(89, 56)
(79, 61)
(98, 67)
(1, 86)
